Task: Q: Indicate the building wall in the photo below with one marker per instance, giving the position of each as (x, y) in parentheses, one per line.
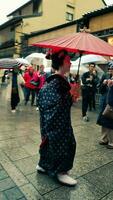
(54, 13)
(33, 24)
(101, 22)
(71, 1)
(6, 35)
(53, 34)
(59, 10)
(87, 6)
(18, 33)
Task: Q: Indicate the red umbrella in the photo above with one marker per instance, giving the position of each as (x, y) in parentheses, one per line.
(82, 42)
(79, 42)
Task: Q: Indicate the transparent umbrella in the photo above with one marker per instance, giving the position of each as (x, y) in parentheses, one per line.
(23, 60)
(83, 68)
(97, 59)
(35, 57)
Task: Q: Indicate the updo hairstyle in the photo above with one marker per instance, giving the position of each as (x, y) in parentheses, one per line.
(57, 58)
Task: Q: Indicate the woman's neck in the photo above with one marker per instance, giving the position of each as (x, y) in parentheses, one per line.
(60, 72)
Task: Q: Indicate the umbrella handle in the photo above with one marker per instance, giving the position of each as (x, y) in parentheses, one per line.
(77, 76)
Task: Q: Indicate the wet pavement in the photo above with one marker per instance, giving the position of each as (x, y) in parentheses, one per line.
(19, 141)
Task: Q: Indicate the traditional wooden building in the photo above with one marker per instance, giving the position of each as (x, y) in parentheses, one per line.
(41, 16)
(99, 22)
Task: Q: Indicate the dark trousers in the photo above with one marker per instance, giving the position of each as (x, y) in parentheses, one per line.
(27, 95)
(92, 103)
(86, 100)
(14, 98)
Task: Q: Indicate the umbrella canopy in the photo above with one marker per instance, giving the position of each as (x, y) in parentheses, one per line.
(82, 42)
(35, 56)
(9, 63)
(23, 61)
(97, 59)
(84, 68)
(35, 59)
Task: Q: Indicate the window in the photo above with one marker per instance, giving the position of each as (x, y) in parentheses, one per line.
(69, 13)
(69, 16)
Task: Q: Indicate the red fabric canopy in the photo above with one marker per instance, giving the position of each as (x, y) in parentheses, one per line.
(82, 42)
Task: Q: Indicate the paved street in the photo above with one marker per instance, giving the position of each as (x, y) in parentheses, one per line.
(19, 141)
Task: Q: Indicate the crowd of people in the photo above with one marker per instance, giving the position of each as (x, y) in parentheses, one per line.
(26, 84)
(53, 94)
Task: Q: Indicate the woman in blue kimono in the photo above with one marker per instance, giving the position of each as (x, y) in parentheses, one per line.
(58, 146)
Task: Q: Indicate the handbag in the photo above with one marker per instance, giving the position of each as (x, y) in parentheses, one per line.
(108, 112)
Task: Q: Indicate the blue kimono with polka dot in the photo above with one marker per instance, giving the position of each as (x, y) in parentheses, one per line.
(58, 146)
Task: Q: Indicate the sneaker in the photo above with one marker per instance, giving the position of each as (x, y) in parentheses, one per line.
(65, 179)
(86, 118)
(40, 169)
(37, 109)
(13, 111)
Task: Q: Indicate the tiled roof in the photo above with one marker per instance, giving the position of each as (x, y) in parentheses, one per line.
(17, 19)
(98, 12)
(10, 22)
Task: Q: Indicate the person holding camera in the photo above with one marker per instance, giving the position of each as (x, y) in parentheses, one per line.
(89, 80)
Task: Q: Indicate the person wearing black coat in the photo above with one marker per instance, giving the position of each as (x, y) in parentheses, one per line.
(105, 123)
(89, 80)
